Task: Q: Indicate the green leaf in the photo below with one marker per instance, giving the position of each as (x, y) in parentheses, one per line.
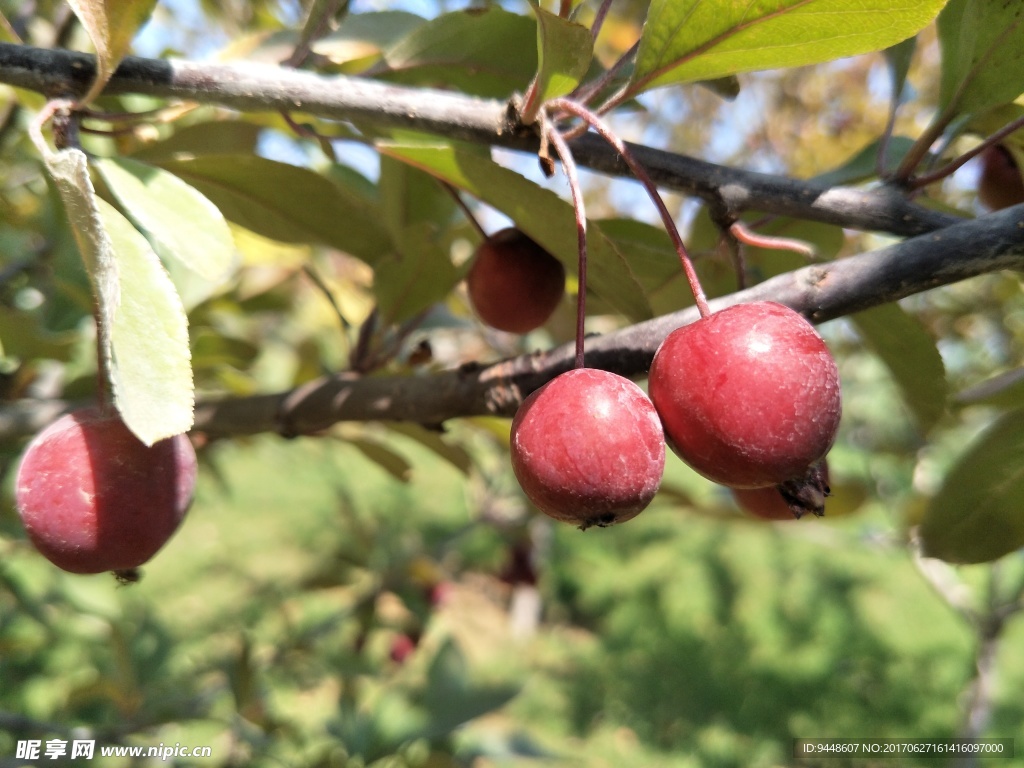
(653, 259)
(455, 455)
(485, 52)
(978, 516)
(411, 197)
(146, 345)
(418, 274)
(212, 137)
(152, 372)
(364, 36)
(909, 353)
(451, 698)
(688, 40)
(179, 219)
(564, 51)
(22, 335)
(385, 458)
(285, 202)
(864, 165)
(540, 213)
(111, 24)
(898, 57)
(982, 54)
(1005, 390)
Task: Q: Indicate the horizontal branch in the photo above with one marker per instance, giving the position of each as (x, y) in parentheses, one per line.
(821, 292)
(255, 87)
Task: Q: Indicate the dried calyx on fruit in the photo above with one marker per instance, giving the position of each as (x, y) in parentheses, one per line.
(514, 285)
(790, 500)
(588, 448)
(94, 498)
(749, 397)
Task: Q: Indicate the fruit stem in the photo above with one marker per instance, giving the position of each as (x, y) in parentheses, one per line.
(465, 209)
(599, 17)
(569, 166)
(606, 133)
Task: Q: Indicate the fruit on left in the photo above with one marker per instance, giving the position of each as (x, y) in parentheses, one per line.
(95, 498)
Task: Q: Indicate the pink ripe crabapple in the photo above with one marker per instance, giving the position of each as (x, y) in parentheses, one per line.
(94, 498)
(749, 396)
(588, 448)
(514, 284)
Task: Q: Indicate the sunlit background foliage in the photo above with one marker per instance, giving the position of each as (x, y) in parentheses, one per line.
(383, 594)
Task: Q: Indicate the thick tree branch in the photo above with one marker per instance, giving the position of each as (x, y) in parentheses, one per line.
(252, 87)
(821, 292)
(958, 251)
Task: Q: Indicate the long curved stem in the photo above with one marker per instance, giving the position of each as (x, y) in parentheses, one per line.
(606, 133)
(569, 166)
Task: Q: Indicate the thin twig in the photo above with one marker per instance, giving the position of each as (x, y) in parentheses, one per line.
(738, 230)
(599, 17)
(954, 165)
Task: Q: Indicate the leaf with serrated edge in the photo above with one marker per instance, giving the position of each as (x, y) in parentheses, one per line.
(111, 25)
(148, 357)
(910, 354)
(688, 40)
(152, 371)
(982, 54)
(540, 213)
(978, 515)
(564, 51)
(179, 218)
(69, 170)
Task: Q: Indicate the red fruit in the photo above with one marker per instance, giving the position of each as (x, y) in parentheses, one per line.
(514, 285)
(402, 647)
(766, 503)
(999, 184)
(93, 497)
(748, 396)
(789, 501)
(588, 448)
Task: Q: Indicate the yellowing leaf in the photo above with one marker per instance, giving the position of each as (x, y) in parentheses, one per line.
(111, 24)
(688, 40)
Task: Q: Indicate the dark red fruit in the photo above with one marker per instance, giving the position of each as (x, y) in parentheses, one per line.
(514, 285)
(588, 448)
(789, 501)
(94, 498)
(402, 647)
(999, 184)
(766, 503)
(749, 396)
